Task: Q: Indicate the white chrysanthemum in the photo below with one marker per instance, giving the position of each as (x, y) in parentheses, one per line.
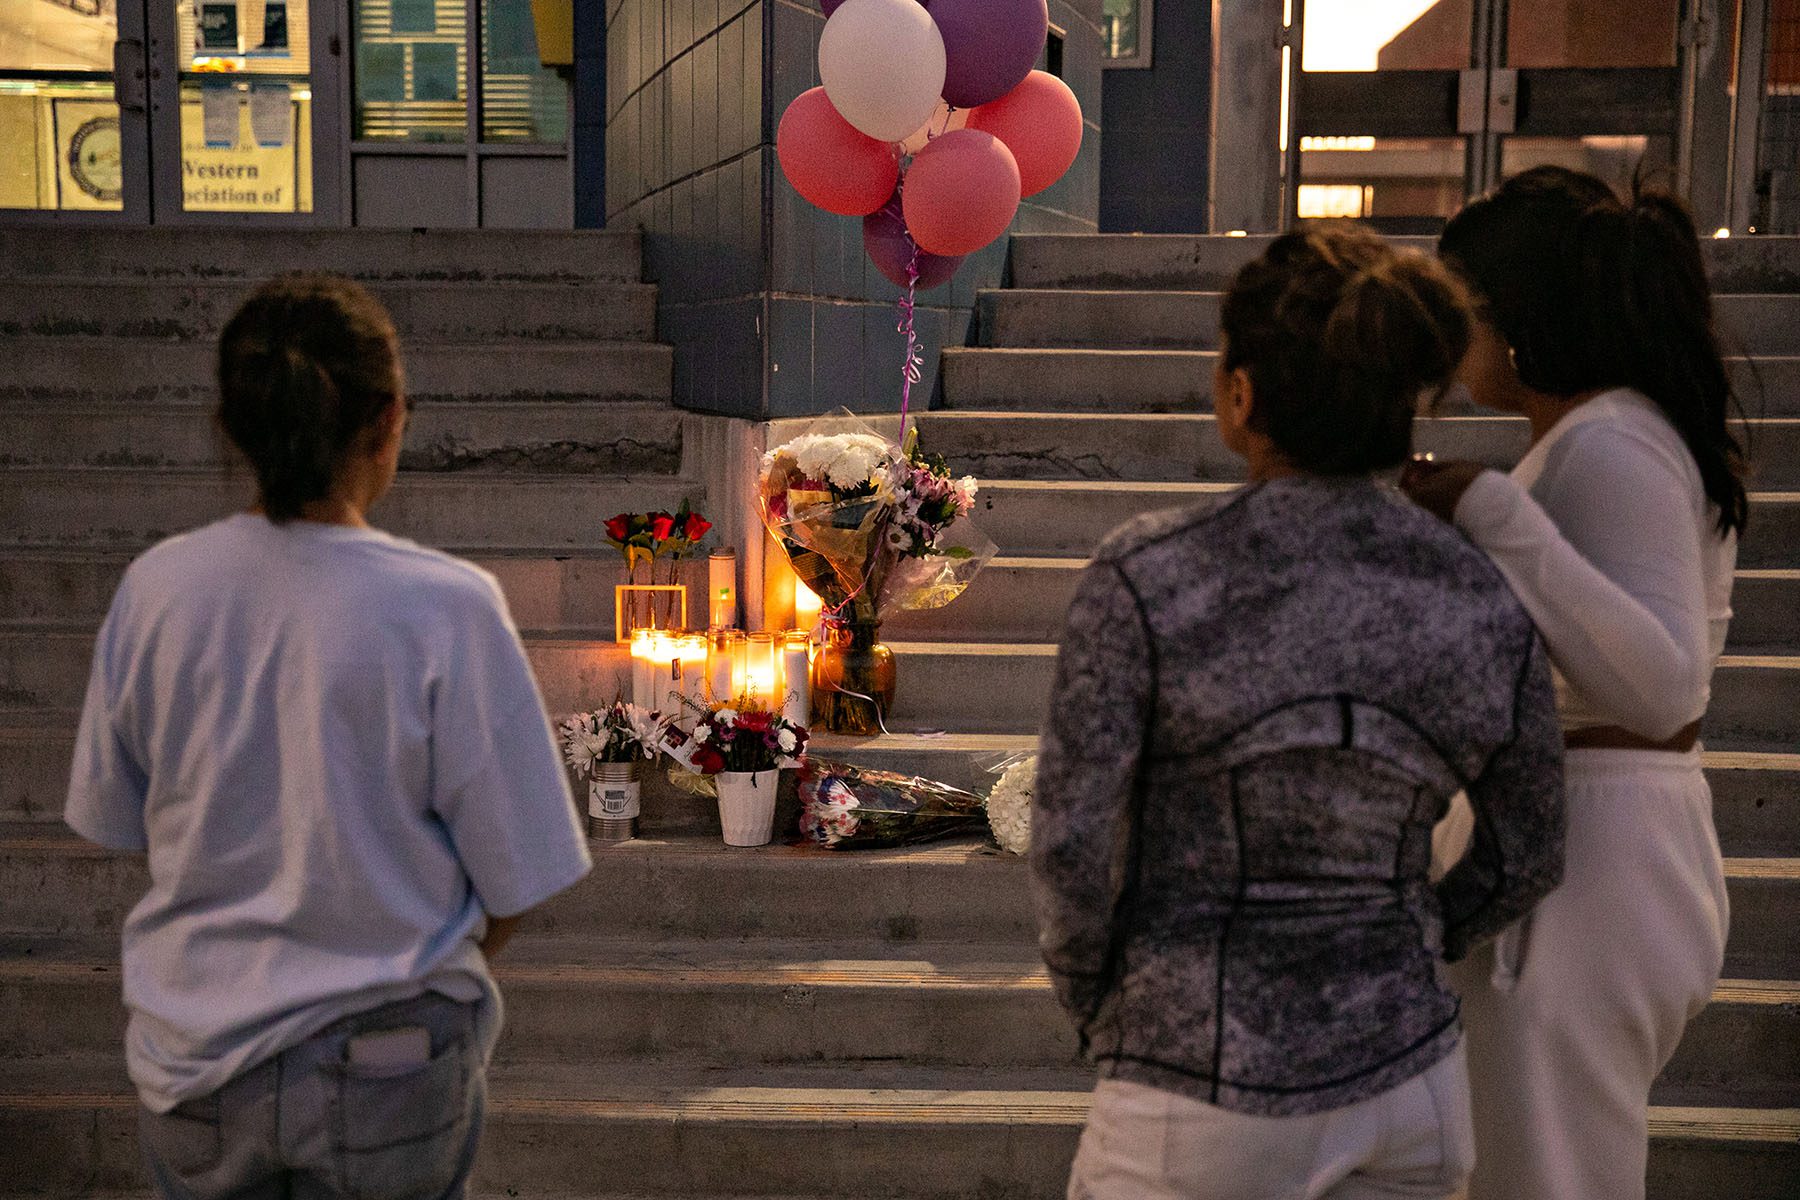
(1009, 806)
(786, 740)
(847, 460)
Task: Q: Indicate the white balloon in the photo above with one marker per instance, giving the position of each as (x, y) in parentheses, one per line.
(882, 63)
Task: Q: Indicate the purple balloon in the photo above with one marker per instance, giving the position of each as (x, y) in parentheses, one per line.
(891, 248)
(989, 46)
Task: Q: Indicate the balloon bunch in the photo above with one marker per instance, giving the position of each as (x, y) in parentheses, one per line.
(931, 126)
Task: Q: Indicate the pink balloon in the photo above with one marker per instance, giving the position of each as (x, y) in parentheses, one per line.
(961, 192)
(831, 163)
(891, 249)
(1040, 122)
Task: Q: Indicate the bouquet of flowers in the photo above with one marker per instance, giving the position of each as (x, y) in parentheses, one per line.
(1009, 805)
(737, 739)
(850, 507)
(620, 733)
(647, 539)
(846, 807)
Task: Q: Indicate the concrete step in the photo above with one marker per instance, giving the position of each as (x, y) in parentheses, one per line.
(225, 253)
(687, 888)
(45, 668)
(1055, 518)
(422, 311)
(43, 370)
(1165, 320)
(1199, 261)
(596, 1001)
(545, 589)
(694, 887)
(1026, 599)
(102, 508)
(1174, 381)
(610, 438)
(1756, 796)
(670, 1130)
(992, 687)
(1178, 447)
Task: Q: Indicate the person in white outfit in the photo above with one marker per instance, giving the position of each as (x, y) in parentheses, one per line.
(1618, 531)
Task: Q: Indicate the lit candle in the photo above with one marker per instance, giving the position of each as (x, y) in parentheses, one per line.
(721, 588)
(762, 666)
(807, 606)
(725, 665)
(690, 666)
(796, 670)
(643, 684)
(665, 673)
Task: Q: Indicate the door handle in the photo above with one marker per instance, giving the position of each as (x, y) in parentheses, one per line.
(1503, 100)
(129, 90)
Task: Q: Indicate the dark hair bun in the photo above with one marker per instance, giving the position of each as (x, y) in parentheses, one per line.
(1343, 336)
(305, 366)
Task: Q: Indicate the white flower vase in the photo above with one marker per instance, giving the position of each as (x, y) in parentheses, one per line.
(613, 801)
(747, 806)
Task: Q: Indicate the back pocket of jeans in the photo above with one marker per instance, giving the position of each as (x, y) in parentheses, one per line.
(186, 1141)
(401, 1137)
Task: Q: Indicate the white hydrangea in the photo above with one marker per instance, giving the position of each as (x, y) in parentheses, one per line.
(1009, 806)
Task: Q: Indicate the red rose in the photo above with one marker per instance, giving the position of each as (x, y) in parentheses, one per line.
(619, 528)
(708, 761)
(697, 526)
(661, 526)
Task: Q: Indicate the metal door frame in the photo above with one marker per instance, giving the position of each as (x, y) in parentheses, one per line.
(1490, 101)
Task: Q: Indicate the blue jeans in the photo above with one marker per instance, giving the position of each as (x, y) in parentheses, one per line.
(309, 1124)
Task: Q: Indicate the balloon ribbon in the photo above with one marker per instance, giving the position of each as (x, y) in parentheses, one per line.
(914, 367)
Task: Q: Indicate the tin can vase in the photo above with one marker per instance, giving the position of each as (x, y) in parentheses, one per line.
(854, 680)
(613, 801)
(747, 806)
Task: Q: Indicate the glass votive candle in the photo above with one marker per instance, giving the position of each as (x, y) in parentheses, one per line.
(762, 671)
(796, 675)
(643, 684)
(725, 665)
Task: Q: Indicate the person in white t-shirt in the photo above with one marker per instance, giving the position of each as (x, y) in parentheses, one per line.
(1618, 531)
(330, 746)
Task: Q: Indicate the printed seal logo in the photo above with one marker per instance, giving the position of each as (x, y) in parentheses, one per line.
(94, 159)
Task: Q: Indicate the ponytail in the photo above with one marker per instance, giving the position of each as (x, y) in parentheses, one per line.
(1593, 293)
(305, 366)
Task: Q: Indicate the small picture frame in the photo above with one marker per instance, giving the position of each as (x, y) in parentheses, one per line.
(629, 599)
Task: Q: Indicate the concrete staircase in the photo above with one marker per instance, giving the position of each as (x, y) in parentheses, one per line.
(700, 1022)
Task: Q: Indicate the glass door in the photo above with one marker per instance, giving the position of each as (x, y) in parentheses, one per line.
(73, 133)
(1405, 108)
(244, 111)
(152, 111)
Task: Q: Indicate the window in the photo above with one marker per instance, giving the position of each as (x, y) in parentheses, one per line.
(1125, 28)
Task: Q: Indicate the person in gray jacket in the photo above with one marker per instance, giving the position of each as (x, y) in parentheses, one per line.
(1263, 704)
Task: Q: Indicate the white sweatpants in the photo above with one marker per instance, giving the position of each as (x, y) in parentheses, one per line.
(1143, 1143)
(1565, 1042)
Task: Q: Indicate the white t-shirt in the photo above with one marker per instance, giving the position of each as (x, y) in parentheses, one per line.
(331, 745)
(1619, 561)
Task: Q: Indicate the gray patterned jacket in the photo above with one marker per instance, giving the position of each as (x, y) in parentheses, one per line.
(1262, 707)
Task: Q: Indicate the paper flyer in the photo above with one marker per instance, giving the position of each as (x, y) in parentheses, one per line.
(219, 104)
(271, 113)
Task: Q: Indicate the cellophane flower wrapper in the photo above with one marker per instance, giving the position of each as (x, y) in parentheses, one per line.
(844, 807)
(828, 497)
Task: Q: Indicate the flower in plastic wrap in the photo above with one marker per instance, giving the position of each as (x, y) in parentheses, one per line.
(1009, 806)
(867, 525)
(846, 807)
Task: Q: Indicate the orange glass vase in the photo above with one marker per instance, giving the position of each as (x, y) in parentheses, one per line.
(854, 679)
